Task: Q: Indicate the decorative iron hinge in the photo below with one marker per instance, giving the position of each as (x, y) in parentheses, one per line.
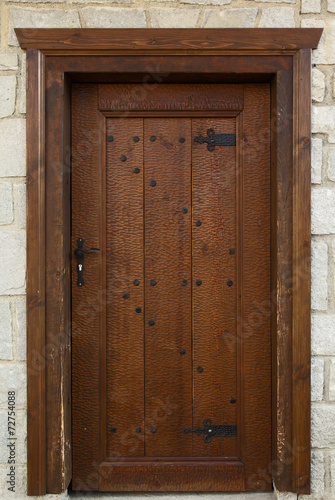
(214, 139)
(213, 430)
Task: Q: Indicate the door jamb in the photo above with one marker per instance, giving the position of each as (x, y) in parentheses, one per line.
(55, 57)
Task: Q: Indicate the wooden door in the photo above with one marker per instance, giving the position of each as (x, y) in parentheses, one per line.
(171, 348)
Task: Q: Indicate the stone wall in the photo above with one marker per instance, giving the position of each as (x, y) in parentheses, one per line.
(168, 14)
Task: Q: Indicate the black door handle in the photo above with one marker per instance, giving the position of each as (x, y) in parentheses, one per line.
(79, 253)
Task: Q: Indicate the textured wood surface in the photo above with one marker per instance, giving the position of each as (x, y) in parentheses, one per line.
(281, 269)
(168, 389)
(172, 475)
(36, 404)
(58, 280)
(214, 302)
(124, 257)
(255, 327)
(86, 307)
(301, 353)
(155, 40)
(121, 97)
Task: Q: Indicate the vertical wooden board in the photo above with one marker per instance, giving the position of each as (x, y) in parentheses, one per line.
(125, 349)
(168, 403)
(36, 293)
(256, 287)
(301, 332)
(86, 309)
(281, 268)
(214, 302)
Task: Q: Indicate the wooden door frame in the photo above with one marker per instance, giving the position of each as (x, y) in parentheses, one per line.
(57, 57)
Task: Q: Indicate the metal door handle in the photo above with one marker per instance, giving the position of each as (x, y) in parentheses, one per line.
(79, 253)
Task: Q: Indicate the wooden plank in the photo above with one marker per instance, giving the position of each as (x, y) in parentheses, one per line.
(169, 68)
(36, 407)
(123, 97)
(156, 40)
(168, 392)
(214, 302)
(173, 475)
(281, 270)
(87, 311)
(124, 271)
(58, 314)
(255, 254)
(301, 331)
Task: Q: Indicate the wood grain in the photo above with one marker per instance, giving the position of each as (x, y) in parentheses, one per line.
(255, 264)
(281, 270)
(301, 354)
(58, 313)
(174, 475)
(36, 403)
(155, 40)
(171, 97)
(168, 388)
(214, 302)
(124, 258)
(86, 308)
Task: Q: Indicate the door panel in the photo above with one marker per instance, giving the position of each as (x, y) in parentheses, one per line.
(171, 330)
(124, 265)
(168, 389)
(214, 302)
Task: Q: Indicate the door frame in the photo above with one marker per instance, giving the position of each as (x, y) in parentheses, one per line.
(56, 58)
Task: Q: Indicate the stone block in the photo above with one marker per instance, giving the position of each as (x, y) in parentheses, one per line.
(317, 378)
(319, 275)
(6, 329)
(318, 85)
(323, 211)
(230, 18)
(23, 84)
(12, 263)
(323, 334)
(323, 121)
(6, 203)
(331, 164)
(207, 2)
(113, 17)
(325, 53)
(20, 204)
(310, 6)
(323, 428)
(7, 95)
(40, 18)
(174, 18)
(20, 484)
(332, 380)
(12, 147)
(331, 5)
(316, 152)
(20, 434)
(21, 329)
(277, 17)
(8, 62)
(13, 378)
